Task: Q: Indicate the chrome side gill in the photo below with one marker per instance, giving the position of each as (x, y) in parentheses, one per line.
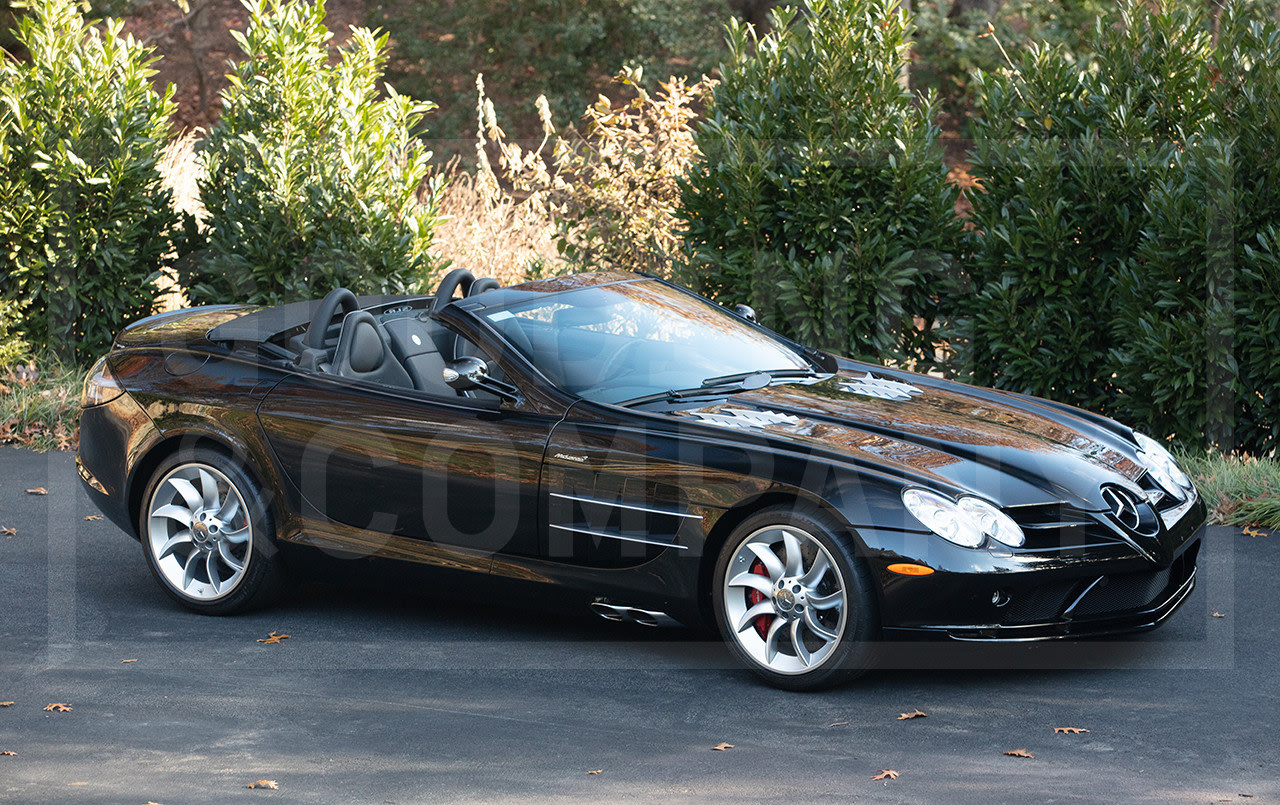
(616, 505)
(622, 537)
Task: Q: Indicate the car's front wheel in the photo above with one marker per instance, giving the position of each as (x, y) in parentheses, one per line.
(794, 601)
(207, 534)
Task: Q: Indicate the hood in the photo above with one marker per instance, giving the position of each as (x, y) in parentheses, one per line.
(1009, 448)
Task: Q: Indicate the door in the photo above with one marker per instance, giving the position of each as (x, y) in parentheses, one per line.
(455, 471)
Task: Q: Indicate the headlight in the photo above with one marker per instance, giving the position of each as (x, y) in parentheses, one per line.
(967, 522)
(1163, 468)
(99, 385)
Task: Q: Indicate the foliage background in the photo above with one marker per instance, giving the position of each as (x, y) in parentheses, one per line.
(820, 194)
(84, 221)
(311, 176)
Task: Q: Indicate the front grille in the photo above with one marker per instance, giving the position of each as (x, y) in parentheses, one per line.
(1060, 527)
(1123, 592)
(1040, 604)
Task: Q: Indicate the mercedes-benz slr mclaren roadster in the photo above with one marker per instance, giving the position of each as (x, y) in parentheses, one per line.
(644, 451)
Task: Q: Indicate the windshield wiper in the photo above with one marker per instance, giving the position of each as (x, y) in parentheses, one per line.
(739, 381)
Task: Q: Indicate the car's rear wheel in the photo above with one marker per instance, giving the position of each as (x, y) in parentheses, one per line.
(794, 601)
(207, 534)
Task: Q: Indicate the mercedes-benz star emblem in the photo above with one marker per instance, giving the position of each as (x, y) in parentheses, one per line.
(1123, 507)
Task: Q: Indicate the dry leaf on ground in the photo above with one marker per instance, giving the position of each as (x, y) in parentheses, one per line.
(722, 746)
(7, 753)
(1069, 730)
(838, 724)
(1219, 615)
(6, 704)
(7, 531)
(273, 638)
(270, 784)
(916, 714)
(1253, 532)
(57, 707)
(597, 771)
(886, 774)
(39, 490)
(1019, 753)
(93, 517)
(124, 661)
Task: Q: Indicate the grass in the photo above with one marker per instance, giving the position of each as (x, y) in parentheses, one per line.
(1239, 490)
(40, 406)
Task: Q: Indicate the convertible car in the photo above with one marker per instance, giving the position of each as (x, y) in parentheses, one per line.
(648, 453)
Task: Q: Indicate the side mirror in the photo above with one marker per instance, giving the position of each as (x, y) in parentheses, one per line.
(746, 311)
(466, 373)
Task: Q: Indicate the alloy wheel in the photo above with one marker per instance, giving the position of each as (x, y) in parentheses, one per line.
(785, 600)
(199, 532)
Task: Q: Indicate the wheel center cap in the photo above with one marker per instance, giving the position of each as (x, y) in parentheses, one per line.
(784, 600)
(201, 532)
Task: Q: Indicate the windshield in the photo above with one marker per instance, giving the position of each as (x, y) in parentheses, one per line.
(626, 340)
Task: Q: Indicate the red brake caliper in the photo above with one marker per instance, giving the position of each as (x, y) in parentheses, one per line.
(755, 597)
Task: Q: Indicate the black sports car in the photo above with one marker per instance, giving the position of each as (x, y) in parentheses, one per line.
(641, 448)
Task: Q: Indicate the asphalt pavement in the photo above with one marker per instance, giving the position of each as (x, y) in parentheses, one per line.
(393, 688)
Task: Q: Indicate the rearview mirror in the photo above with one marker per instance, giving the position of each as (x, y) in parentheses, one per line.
(745, 311)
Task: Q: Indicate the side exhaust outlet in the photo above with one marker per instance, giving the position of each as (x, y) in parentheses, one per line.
(625, 614)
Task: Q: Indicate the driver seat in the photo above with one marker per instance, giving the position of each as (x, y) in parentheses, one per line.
(364, 353)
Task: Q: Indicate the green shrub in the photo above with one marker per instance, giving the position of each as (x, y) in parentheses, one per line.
(84, 222)
(949, 54)
(13, 348)
(567, 51)
(820, 197)
(311, 180)
(1199, 303)
(1066, 156)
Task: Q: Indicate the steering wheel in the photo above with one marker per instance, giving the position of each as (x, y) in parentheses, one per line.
(319, 327)
(450, 283)
(615, 364)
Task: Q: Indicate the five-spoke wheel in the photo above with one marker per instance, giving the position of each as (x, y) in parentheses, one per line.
(205, 532)
(794, 601)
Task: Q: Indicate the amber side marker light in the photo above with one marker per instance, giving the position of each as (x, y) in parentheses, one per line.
(910, 570)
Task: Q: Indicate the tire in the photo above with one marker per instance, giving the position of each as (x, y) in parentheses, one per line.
(794, 601)
(208, 535)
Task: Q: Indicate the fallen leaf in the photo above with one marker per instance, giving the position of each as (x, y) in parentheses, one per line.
(7, 531)
(273, 638)
(7, 753)
(271, 784)
(39, 490)
(722, 746)
(1068, 730)
(886, 774)
(597, 771)
(1253, 532)
(124, 661)
(6, 704)
(916, 714)
(57, 707)
(93, 517)
(1219, 615)
(1019, 753)
(839, 724)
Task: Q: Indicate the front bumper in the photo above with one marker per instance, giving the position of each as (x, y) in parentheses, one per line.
(1106, 605)
(989, 596)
